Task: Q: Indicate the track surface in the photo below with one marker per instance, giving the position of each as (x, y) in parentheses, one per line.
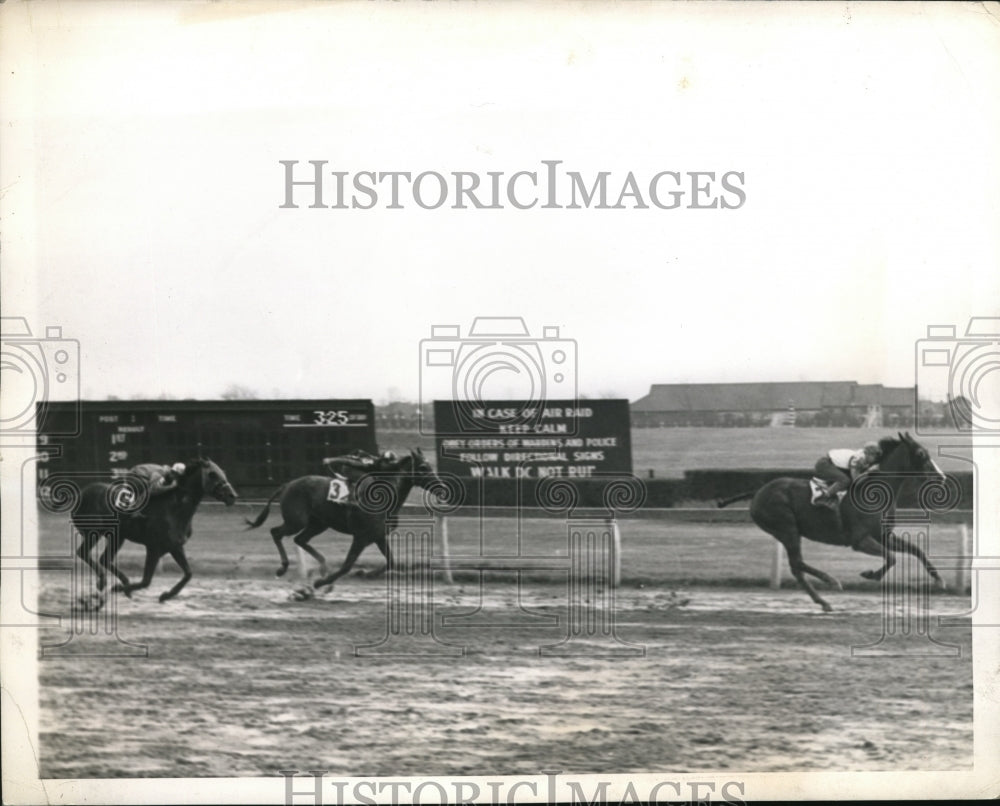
(240, 680)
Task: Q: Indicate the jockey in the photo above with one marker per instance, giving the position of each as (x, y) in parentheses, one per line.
(158, 479)
(358, 462)
(350, 467)
(840, 466)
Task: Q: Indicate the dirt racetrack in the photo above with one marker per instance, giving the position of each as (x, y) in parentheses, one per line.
(241, 681)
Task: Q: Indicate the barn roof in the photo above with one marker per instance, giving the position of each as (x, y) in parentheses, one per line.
(897, 396)
(809, 395)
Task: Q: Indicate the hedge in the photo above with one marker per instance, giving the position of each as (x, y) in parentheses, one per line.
(697, 487)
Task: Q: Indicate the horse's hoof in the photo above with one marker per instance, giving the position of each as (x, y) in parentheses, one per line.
(940, 584)
(301, 593)
(361, 572)
(281, 571)
(870, 575)
(164, 597)
(836, 583)
(319, 583)
(90, 604)
(126, 589)
(827, 608)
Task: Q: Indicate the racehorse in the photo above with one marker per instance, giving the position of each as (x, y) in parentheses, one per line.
(306, 511)
(783, 509)
(163, 525)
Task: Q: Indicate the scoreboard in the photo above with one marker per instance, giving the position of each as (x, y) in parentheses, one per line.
(259, 443)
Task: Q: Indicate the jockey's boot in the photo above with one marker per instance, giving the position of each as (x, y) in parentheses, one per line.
(831, 498)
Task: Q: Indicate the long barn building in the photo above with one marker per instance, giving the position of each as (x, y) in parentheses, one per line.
(825, 403)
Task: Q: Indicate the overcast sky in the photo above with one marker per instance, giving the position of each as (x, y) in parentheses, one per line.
(142, 181)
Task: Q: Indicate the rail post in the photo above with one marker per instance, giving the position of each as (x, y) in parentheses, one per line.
(776, 559)
(616, 552)
(445, 564)
(964, 560)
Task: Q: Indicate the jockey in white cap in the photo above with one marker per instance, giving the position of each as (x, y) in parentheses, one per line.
(161, 478)
(840, 466)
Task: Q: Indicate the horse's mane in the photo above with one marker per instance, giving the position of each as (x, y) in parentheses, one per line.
(411, 457)
(887, 445)
(193, 466)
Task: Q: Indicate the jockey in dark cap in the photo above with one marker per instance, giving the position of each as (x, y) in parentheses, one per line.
(358, 462)
(350, 467)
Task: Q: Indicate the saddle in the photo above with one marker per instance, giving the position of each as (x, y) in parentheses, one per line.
(346, 471)
(821, 494)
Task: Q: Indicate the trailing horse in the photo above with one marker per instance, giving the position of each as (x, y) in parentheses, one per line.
(306, 511)
(163, 525)
(783, 508)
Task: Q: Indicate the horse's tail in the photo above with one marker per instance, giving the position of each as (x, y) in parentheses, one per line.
(725, 502)
(253, 524)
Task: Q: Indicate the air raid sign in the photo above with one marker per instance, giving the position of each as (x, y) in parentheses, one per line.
(507, 439)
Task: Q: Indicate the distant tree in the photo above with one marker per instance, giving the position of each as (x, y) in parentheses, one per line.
(236, 391)
(961, 410)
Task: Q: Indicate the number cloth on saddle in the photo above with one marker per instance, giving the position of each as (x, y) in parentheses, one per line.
(347, 470)
(340, 491)
(820, 490)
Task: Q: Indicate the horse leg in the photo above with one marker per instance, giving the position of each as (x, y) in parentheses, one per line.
(383, 546)
(869, 545)
(152, 558)
(302, 541)
(109, 559)
(84, 552)
(833, 582)
(896, 543)
(181, 559)
(799, 569)
(357, 546)
(278, 533)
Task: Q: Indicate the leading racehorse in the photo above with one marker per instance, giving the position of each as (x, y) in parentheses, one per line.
(306, 511)
(163, 525)
(783, 508)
